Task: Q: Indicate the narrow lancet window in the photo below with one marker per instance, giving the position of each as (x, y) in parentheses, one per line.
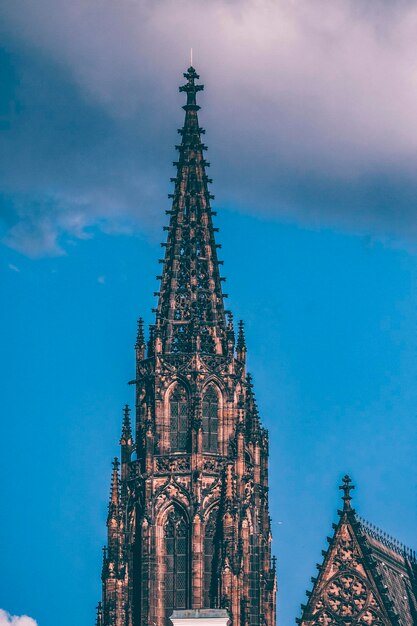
(178, 408)
(209, 561)
(177, 571)
(210, 420)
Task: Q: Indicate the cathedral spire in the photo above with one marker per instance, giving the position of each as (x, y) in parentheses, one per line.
(188, 523)
(190, 307)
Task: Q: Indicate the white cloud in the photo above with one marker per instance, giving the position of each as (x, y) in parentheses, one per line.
(13, 268)
(311, 109)
(14, 620)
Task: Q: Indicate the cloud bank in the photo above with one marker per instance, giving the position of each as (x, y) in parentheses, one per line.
(14, 620)
(310, 110)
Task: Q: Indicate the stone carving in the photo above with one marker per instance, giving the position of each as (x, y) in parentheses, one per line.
(172, 465)
(346, 595)
(370, 619)
(212, 464)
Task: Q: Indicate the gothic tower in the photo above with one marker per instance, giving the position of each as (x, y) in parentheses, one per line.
(188, 521)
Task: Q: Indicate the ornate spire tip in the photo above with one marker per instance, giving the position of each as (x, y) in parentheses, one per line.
(347, 487)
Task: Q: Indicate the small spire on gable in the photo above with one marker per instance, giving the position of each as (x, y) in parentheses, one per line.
(347, 487)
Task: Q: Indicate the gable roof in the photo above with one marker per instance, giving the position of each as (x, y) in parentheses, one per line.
(366, 578)
(397, 567)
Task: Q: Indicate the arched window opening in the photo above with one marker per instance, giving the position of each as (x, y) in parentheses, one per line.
(178, 411)
(210, 420)
(177, 571)
(209, 561)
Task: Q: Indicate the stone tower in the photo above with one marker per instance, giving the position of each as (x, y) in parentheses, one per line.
(188, 521)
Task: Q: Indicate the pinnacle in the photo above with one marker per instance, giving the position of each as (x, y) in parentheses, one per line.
(253, 421)
(241, 341)
(140, 337)
(151, 341)
(126, 427)
(99, 615)
(347, 487)
(230, 331)
(114, 489)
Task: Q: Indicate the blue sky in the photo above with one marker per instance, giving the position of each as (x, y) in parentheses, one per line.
(331, 337)
(313, 165)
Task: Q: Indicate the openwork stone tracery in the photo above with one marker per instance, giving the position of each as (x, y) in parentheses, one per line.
(365, 580)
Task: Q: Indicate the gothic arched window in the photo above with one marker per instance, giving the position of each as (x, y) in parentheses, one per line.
(178, 413)
(177, 571)
(209, 557)
(210, 420)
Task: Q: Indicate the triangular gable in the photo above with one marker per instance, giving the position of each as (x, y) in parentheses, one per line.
(346, 592)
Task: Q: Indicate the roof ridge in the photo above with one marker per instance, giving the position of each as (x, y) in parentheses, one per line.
(387, 540)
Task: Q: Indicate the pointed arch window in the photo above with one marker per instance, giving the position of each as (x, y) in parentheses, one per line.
(209, 561)
(210, 420)
(177, 569)
(178, 412)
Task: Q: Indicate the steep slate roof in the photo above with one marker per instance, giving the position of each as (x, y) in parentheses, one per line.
(366, 579)
(397, 567)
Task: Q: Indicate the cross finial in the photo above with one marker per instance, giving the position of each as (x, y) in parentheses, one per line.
(191, 89)
(347, 488)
